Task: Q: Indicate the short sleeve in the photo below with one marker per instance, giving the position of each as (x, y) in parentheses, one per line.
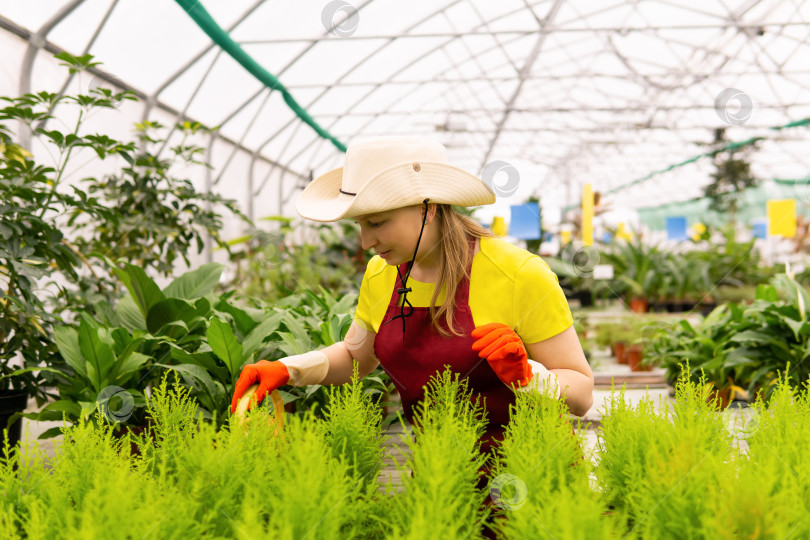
(362, 316)
(540, 309)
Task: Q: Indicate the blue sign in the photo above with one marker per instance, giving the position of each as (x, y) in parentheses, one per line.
(760, 230)
(676, 228)
(524, 223)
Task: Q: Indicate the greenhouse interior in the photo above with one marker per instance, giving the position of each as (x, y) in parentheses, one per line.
(588, 221)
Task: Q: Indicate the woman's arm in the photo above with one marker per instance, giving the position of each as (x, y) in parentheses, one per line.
(563, 356)
(357, 346)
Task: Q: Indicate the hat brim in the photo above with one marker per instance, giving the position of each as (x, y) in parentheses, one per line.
(395, 187)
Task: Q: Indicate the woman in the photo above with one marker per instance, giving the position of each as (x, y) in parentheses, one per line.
(497, 317)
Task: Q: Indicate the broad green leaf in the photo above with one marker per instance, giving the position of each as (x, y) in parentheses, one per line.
(22, 371)
(143, 290)
(253, 342)
(199, 378)
(129, 314)
(98, 355)
(167, 311)
(65, 405)
(122, 338)
(795, 327)
(195, 283)
(767, 293)
(88, 408)
(345, 305)
(203, 359)
(224, 344)
(67, 340)
(291, 346)
(244, 322)
(49, 433)
(133, 362)
(298, 330)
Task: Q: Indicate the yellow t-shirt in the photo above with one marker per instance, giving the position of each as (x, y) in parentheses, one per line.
(508, 285)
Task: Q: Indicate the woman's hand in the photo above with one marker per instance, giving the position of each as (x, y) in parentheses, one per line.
(504, 351)
(506, 354)
(298, 370)
(271, 375)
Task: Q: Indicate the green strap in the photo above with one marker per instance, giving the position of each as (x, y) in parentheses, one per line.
(199, 15)
(730, 146)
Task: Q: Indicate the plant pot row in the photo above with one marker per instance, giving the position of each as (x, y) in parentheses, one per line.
(631, 355)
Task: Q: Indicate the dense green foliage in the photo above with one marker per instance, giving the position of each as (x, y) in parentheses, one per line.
(681, 469)
(743, 346)
(55, 234)
(440, 498)
(697, 273)
(542, 485)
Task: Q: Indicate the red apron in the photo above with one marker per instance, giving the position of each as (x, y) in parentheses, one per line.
(424, 352)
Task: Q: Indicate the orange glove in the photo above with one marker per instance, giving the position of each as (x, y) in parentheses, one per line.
(504, 351)
(270, 375)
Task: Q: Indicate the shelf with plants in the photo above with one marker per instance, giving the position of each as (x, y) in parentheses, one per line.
(691, 276)
(740, 348)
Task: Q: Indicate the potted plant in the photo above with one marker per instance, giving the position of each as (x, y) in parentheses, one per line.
(636, 267)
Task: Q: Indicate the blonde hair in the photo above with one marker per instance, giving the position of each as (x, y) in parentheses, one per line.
(455, 232)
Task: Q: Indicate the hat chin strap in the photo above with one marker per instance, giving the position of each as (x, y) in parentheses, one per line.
(404, 290)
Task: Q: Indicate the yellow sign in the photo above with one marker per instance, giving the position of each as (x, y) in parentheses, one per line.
(565, 237)
(782, 217)
(498, 226)
(699, 229)
(587, 215)
(623, 233)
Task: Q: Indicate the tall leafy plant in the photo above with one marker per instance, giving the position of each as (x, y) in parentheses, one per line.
(144, 213)
(441, 499)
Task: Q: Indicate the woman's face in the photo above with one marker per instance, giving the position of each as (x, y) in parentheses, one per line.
(393, 234)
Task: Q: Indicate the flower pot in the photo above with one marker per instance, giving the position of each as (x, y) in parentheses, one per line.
(723, 395)
(707, 308)
(638, 305)
(634, 355)
(12, 401)
(685, 306)
(585, 298)
(619, 352)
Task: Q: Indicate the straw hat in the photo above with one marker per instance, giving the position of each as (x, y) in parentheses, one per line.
(385, 173)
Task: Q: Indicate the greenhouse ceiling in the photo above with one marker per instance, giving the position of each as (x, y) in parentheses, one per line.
(565, 91)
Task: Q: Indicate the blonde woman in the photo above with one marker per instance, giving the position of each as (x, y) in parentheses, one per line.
(442, 290)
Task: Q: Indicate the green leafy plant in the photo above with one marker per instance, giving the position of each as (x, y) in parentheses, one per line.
(541, 483)
(675, 453)
(352, 429)
(440, 499)
(55, 236)
(274, 265)
(740, 347)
